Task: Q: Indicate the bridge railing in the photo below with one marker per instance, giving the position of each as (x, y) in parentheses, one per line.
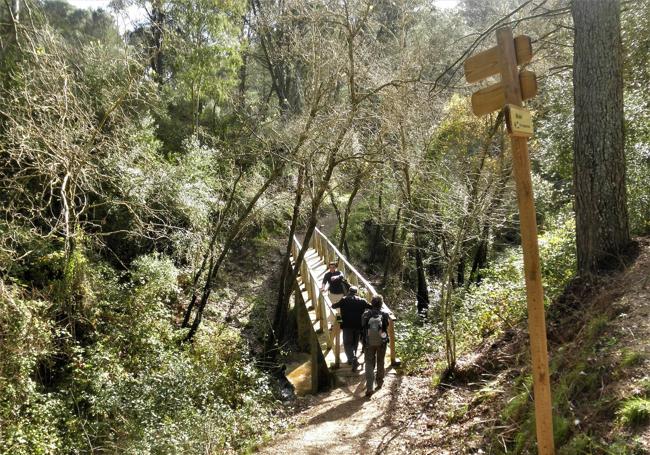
(329, 252)
(325, 314)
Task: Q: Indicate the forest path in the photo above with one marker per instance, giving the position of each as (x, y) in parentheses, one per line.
(344, 421)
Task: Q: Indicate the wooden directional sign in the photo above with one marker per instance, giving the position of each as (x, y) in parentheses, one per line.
(493, 98)
(486, 64)
(513, 88)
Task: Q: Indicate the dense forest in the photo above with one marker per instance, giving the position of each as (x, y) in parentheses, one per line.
(154, 172)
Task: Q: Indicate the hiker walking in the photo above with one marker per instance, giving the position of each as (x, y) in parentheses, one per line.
(352, 308)
(375, 326)
(333, 281)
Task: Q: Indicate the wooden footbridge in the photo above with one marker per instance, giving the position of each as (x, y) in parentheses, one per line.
(317, 325)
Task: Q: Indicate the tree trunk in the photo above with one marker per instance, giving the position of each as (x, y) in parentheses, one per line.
(480, 255)
(277, 333)
(283, 298)
(391, 246)
(346, 215)
(214, 267)
(157, 62)
(422, 295)
(461, 271)
(209, 253)
(243, 69)
(285, 78)
(340, 220)
(377, 234)
(15, 8)
(602, 231)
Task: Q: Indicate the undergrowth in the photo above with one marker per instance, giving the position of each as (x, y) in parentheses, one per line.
(496, 304)
(92, 362)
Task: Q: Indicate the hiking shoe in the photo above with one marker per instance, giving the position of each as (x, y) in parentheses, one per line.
(369, 393)
(355, 365)
(380, 382)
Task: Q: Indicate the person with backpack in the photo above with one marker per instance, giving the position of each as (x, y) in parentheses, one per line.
(352, 308)
(375, 326)
(333, 281)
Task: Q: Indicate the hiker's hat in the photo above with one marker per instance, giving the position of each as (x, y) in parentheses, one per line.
(353, 289)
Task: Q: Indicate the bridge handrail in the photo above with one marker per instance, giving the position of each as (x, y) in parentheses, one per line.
(360, 278)
(322, 303)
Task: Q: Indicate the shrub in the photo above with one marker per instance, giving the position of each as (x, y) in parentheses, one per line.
(578, 445)
(631, 358)
(28, 415)
(127, 386)
(499, 300)
(415, 342)
(634, 412)
(558, 255)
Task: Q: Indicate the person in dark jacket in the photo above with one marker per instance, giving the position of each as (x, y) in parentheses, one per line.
(375, 329)
(352, 308)
(333, 281)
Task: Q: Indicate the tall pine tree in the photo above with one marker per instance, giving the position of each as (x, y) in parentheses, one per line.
(602, 231)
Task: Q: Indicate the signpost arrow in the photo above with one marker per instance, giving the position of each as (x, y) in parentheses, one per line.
(487, 63)
(493, 97)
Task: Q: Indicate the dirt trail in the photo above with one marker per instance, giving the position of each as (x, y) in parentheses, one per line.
(343, 421)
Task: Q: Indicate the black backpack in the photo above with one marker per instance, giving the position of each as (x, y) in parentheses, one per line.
(346, 286)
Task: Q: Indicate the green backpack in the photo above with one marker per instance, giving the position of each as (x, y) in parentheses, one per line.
(374, 329)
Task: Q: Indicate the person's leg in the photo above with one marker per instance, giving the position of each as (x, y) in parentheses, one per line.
(355, 344)
(348, 344)
(371, 355)
(356, 336)
(334, 298)
(381, 355)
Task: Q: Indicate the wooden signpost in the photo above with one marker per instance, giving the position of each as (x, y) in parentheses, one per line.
(508, 94)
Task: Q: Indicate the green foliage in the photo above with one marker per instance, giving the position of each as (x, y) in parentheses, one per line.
(624, 447)
(644, 386)
(204, 50)
(456, 414)
(129, 369)
(415, 343)
(517, 406)
(558, 255)
(27, 413)
(631, 358)
(580, 444)
(209, 395)
(553, 141)
(561, 429)
(595, 327)
(78, 25)
(499, 300)
(638, 162)
(156, 277)
(634, 412)
(357, 236)
(636, 30)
